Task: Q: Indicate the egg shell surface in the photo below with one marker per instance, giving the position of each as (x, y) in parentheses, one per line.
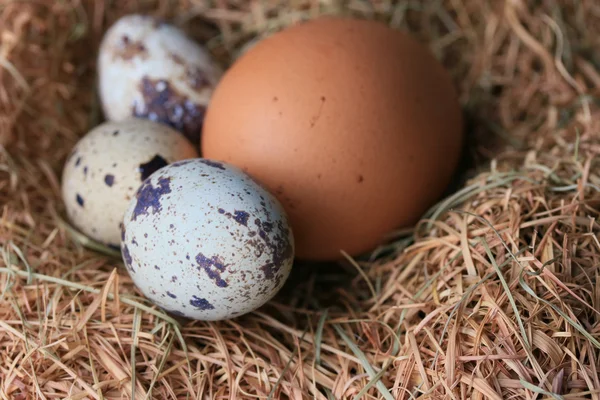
(202, 240)
(107, 166)
(354, 126)
(150, 69)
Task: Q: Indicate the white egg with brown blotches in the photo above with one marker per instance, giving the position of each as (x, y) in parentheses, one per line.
(148, 68)
(108, 165)
(203, 240)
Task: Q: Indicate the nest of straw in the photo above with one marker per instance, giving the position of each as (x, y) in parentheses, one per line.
(495, 294)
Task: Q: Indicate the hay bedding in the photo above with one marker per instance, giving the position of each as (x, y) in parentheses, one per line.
(494, 295)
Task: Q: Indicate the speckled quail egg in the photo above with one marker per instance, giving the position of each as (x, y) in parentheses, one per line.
(150, 69)
(108, 165)
(203, 240)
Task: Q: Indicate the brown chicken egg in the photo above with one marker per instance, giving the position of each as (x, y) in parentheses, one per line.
(355, 127)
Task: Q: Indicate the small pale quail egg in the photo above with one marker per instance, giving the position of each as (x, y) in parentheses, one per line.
(150, 69)
(108, 165)
(202, 240)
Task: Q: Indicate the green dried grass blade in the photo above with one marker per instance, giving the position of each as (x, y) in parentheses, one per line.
(319, 336)
(87, 242)
(329, 394)
(6, 257)
(137, 322)
(394, 334)
(529, 291)
(539, 390)
(465, 296)
(574, 324)
(22, 258)
(287, 366)
(419, 292)
(573, 187)
(509, 295)
(175, 326)
(161, 366)
(372, 382)
(464, 194)
(365, 363)
(454, 309)
(362, 274)
(92, 368)
(472, 288)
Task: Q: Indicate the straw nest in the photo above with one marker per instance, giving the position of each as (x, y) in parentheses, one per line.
(495, 294)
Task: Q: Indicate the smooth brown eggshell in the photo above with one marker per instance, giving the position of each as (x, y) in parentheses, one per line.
(355, 127)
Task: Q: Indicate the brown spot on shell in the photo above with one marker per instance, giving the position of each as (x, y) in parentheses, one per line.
(197, 79)
(128, 49)
(177, 59)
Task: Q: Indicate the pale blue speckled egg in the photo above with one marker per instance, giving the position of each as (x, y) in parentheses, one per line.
(203, 240)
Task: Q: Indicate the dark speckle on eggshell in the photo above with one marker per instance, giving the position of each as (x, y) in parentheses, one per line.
(127, 258)
(213, 267)
(269, 270)
(79, 199)
(239, 216)
(201, 304)
(214, 164)
(182, 162)
(171, 295)
(163, 104)
(276, 243)
(267, 227)
(197, 79)
(280, 247)
(146, 169)
(109, 180)
(128, 49)
(148, 197)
